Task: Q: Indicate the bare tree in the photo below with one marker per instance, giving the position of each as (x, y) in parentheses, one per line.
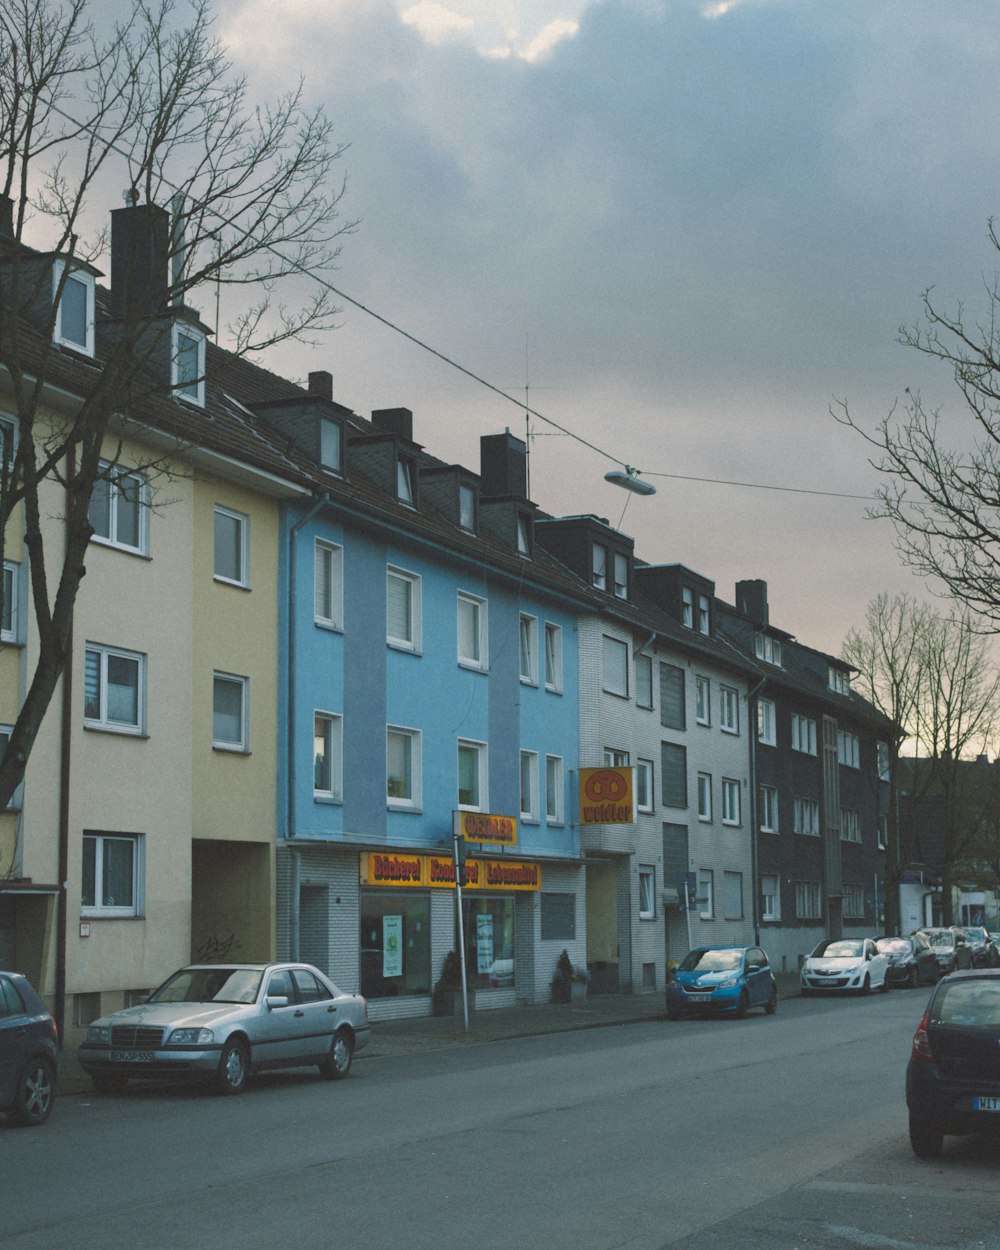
(153, 106)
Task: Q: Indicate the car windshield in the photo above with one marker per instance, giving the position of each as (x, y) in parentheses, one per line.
(843, 948)
(967, 1002)
(209, 985)
(712, 961)
(893, 946)
(939, 937)
(976, 935)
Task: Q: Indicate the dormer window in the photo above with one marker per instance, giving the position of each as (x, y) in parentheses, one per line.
(839, 680)
(621, 575)
(188, 353)
(767, 648)
(330, 443)
(405, 491)
(467, 507)
(687, 607)
(523, 535)
(704, 615)
(599, 575)
(74, 326)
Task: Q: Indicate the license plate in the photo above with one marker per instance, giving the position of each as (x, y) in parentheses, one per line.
(986, 1104)
(131, 1056)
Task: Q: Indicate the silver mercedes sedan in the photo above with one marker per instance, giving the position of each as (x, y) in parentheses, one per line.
(222, 1022)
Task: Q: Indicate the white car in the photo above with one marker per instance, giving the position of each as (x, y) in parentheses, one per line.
(845, 964)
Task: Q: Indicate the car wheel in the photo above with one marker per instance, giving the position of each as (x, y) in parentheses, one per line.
(109, 1082)
(771, 1006)
(884, 987)
(913, 979)
(867, 987)
(926, 1138)
(743, 1006)
(234, 1069)
(36, 1092)
(337, 1064)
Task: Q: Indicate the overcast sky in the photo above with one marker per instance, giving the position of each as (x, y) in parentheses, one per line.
(690, 227)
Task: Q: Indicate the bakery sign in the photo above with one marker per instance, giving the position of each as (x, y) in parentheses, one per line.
(606, 796)
(403, 870)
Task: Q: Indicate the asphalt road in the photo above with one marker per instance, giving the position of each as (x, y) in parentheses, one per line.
(785, 1131)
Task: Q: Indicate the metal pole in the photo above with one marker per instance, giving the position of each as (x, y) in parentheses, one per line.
(687, 908)
(459, 869)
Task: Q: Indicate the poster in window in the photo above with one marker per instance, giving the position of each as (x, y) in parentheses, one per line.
(484, 943)
(392, 946)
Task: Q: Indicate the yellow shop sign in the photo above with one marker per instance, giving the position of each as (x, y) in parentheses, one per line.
(438, 872)
(606, 796)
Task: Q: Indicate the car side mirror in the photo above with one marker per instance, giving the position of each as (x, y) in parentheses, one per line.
(277, 1000)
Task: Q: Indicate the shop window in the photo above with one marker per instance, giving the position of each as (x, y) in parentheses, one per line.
(395, 943)
(489, 942)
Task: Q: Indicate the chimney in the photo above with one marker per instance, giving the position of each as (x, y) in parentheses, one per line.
(321, 384)
(140, 248)
(751, 600)
(503, 468)
(396, 421)
(6, 217)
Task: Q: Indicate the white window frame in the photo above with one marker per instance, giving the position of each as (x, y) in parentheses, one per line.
(647, 892)
(190, 389)
(478, 630)
(803, 734)
(731, 804)
(479, 751)
(704, 792)
(767, 648)
(767, 725)
(553, 658)
(838, 679)
(643, 664)
(410, 641)
(805, 812)
(703, 700)
(850, 825)
(414, 739)
(406, 481)
(610, 672)
(687, 607)
(529, 786)
(613, 758)
(854, 900)
(619, 562)
(644, 785)
(329, 727)
(240, 745)
(242, 521)
(331, 438)
(768, 799)
(10, 621)
(706, 893)
(848, 749)
(770, 896)
(115, 484)
(554, 789)
(523, 525)
(89, 284)
(113, 911)
(808, 900)
(528, 648)
(599, 566)
(328, 584)
(466, 507)
(729, 709)
(103, 720)
(704, 615)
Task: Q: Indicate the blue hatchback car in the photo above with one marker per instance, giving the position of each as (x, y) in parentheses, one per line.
(722, 979)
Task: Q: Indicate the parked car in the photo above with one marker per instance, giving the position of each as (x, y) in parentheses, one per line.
(722, 979)
(845, 964)
(911, 960)
(984, 950)
(222, 1022)
(953, 1077)
(29, 1052)
(950, 947)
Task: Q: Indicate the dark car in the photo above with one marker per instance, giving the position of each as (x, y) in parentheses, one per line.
(984, 951)
(29, 1047)
(950, 946)
(953, 1077)
(911, 960)
(722, 979)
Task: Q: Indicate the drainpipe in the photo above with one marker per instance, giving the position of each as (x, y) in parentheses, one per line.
(66, 730)
(754, 824)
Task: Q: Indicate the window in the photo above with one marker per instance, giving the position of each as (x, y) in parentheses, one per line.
(8, 435)
(330, 445)
(704, 618)
(883, 832)
(767, 648)
(111, 877)
(557, 916)
(231, 543)
(621, 575)
(467, 507)
(850, 825)
(74, 325)
(729, 710)
(189, 364)
(854, 901)
(882, 757)
(472, 639)
(704, 796)
(405, 481)
(328, 584)
(402, 767)
(647, 892)
(327, 755)
(529, 785)
(703, 700)
(770, 897)
(529, 650)
(113, 689)
(554, 786)
(673, 775)
(17, 797)
(803, 734)
(643, 666)
(808, 900)
(766, 723)
(644, 785)
(229, 712)
(402, 609)
(614, 655)
(673, 713)
(730, 801)
(9, 616)
(768, 796)
(599, 566)
(848, 749)
(553, 657)
(119, 508)
(706, 893)
(523, 535)
(472, 776)
(839, 679)
(687, 607)
(732, 895)
(805, 817)
(615, 759)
